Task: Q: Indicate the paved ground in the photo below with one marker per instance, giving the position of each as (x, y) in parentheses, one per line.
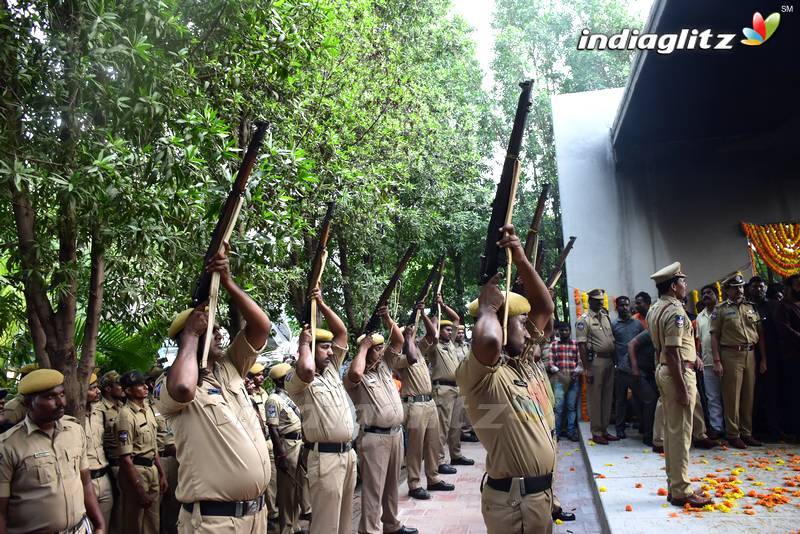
(630, 474)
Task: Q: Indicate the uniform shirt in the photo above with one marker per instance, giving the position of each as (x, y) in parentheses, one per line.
(164, 434)
(442, 357)
(736, 324)
(260, 402)
(376, 398)
(222, 452)
(15, 410)
(703, 333)
(323, 403)
(564, 355)
(509, 416)
(670, 327)
(542, 391)
(461, 350)
(136, 429)
(594, 329)
(94, 429)
(283, 413)
(110, 411)
(624, 331)
(415, 379)
(41, 477)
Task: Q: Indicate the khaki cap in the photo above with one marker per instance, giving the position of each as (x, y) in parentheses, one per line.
(445, 322)
(39, 380)
(673, 270)
(178, 322)
(377, 339)
(92, 378)
(517, 305)
(324, 335)
(279, 371)
(257, 369)
(27, 368)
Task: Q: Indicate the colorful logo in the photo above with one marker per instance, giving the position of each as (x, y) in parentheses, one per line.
(761, 30)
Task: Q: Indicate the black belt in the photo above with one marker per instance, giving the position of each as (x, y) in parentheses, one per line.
(98, 473)
(165, 454)
(142, 461)
(528, 485)
(739, 348)
(76, 527)
(292, 435)
(113, 462)
(330, 447)
(229, 509)
(381, 430)
(445, 383)
(418, 398)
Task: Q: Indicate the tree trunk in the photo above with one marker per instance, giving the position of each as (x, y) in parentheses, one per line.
(458, 278)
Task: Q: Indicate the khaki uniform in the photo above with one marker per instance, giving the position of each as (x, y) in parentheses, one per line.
(671, 327)
(98, 463)
(136, 429)
(594, 329)
(15, 410)
(420, 418)
(110, 410)
(41, 477)
(698, 423)
(737, 327)
(462, 351)
(444, 362)
(327, 420)
(222, 452)
(165, 437)
(508, 416)
(259, 399)
(380, 415)
(284, 414)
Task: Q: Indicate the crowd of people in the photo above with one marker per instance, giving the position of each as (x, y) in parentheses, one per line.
(195, 448)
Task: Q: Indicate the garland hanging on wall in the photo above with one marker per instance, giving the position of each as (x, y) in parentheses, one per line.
(778, 245)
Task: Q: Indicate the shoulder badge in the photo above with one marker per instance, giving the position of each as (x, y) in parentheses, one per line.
(214, 391)
(123, 436)
(272, 411)
(679, 321)
(713, 315)
(581, 325)
(157, 391)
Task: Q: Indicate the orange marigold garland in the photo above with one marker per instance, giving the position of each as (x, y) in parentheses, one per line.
(778, 245)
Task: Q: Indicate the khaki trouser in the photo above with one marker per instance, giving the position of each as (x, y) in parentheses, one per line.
(509, 513)
(601, 394)
(422, 427)
(135, 519)
(461, 416)
(272, 488)
(379, 458)
(195, 523)
(105, 495)
(332, 480)
(738, 382)
(116, 509)
(446, 398)
(169, 504)
(289, 487)
(698, 424)
(678, 429)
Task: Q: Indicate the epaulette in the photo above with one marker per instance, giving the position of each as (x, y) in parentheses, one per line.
(69, 418)
(8, 433)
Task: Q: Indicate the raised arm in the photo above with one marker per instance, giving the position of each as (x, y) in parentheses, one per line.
(305, 360)
(487, 335)
(182, 376)
(336, 325)
(535, 289)
(449, 311)
(395, 334)
(410, 345)
(431, 331)
(359, 363)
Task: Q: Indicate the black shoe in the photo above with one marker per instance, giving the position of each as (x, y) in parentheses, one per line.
(406, 530)
(462, 461)
(441, 486)
(573, 437)
(563, 516)
(469, 437)
(445, 469)
(648, 441)
(306, 516)
(658, 449)
(621, 435)
(419, 493)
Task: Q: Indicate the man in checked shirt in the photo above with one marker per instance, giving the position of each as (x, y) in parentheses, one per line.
(565, 368)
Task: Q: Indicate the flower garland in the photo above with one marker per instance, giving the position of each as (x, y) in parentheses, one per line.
(778, 245)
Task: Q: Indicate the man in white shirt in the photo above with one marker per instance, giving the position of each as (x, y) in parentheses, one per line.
(712, 382)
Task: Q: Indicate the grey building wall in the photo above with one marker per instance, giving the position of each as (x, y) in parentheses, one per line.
(630, 224)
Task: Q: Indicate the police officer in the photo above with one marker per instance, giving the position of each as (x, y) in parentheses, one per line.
(437, 345)
(316, 387)
(520, 449)
(45, 485)
(165, 441)
(15, 408)
(259, 398)
(596, 346)
(223, 462)
(673, 339)
(141, 478)
(461, 347)
(735, 331)
(370, 385)
(285, 429)
(420, 418)
(96, 454)
(112, 397)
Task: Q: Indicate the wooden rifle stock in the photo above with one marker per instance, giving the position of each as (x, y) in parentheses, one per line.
(373, 322)
(422, 296)
(532, 239)
(315, 275)
(552, 280)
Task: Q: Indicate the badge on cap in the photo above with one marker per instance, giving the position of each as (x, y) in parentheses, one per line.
(272, 411)
(679, 321)
(580, 326)
(123, 436)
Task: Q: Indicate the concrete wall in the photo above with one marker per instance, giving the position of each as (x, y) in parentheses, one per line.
(630, 224)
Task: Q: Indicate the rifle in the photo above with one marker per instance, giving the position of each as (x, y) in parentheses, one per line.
(422, 296)
(315, 275)
(374, 320)
(207, 286)
(532, 239)
(503, 204)
(552, 280)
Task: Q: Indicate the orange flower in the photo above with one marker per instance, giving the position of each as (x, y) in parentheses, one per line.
(750, 512)
(662, 492)
(628, 508)
(638, 485)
